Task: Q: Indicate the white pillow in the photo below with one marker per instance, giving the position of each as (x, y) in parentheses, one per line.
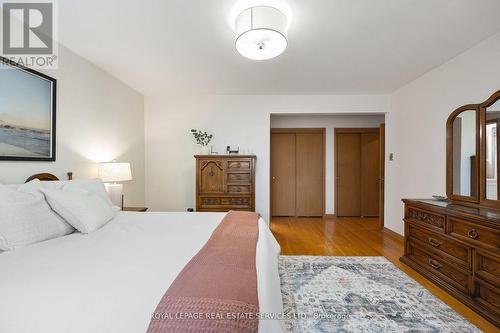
(26, 218)
(84, 210)
(42, 183)
(94, 186)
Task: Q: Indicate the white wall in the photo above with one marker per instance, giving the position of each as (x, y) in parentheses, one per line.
(415, 130)
(330, 122)
(98, 119)
(242, 120)
(417, 124)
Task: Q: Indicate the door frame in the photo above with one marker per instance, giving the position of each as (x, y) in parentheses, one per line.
(335, 158)
(316, 130)
(381, 197)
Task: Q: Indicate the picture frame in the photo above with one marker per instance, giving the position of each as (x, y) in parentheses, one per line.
(27, 114)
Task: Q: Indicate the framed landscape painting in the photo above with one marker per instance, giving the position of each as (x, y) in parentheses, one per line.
(27, 114)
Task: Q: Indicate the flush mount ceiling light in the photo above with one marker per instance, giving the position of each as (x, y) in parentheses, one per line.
(261, 32)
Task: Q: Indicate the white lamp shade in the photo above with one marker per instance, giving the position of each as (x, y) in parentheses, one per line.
(115, 172)
(261, 33)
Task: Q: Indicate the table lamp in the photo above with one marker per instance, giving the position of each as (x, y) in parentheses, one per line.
(111, 173)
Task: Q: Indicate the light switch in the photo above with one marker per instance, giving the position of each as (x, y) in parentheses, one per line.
(391, 156)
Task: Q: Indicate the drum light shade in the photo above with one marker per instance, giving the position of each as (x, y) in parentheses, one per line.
(261, 33)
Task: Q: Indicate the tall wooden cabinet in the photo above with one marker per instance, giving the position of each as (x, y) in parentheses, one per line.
(225, 182)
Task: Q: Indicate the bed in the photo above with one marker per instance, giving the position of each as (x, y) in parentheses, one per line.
(111, 280)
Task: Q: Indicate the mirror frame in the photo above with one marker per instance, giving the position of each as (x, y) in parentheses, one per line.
(449, 154)
(480, 172)
(482, 175)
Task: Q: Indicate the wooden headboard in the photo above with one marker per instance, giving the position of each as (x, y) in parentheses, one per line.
(47, 177)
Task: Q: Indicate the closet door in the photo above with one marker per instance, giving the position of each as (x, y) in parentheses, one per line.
(309, 176)
(357, 173)
(370, 156)
(283, 174)
(348, 174)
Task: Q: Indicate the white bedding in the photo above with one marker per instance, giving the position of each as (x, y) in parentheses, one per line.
(112, 280)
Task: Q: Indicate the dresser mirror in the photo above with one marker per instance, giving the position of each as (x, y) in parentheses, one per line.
(464, 145)
(492, 145)
(473, 174)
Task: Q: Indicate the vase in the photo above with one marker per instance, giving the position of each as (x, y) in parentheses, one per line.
(205, 150)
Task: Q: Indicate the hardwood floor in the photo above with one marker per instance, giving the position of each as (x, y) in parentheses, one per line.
(357, 237)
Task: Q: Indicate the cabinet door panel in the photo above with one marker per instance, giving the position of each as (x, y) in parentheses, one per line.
(211, 177)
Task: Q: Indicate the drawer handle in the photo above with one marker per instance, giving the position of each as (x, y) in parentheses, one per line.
(434, 242)
(473, 234)
(434, 263)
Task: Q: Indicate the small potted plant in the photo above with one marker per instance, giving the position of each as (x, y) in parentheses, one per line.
(202, 139)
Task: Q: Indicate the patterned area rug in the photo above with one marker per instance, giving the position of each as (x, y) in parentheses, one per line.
(359, 294)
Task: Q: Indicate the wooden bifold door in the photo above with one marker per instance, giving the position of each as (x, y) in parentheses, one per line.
(357, 171)
(297, 172)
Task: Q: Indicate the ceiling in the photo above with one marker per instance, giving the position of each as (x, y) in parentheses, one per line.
(335, 46)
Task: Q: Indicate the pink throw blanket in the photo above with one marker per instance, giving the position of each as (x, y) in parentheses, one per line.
(217, 290)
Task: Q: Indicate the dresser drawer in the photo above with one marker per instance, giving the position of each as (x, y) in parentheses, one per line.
(474, 234)
(240, 177)
(487, 295)
(442, 244)
(238, 188)
(239, 164)
(487, 266)
(442, 268)
(425, 218)
(225, 202)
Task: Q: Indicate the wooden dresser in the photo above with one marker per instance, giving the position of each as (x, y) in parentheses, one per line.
(225, 182)
(458, 248)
